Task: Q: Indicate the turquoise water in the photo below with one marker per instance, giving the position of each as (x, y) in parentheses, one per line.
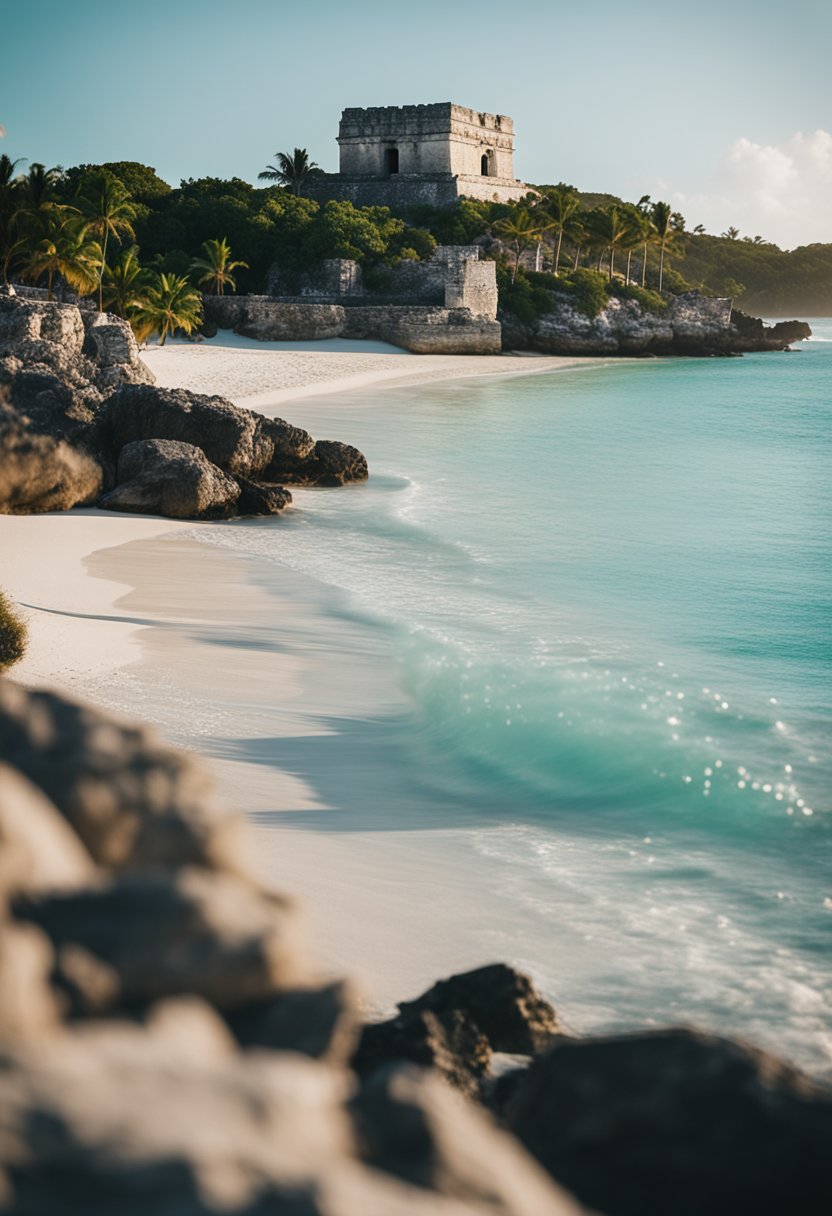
(605, 594)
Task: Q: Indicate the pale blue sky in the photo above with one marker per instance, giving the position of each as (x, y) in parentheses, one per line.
(630, 97)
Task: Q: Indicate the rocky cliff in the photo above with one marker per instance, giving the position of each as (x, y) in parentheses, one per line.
(81, 424)
(691, 324)
(168, 1046)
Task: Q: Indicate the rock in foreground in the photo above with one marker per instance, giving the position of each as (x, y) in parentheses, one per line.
(677, 1122)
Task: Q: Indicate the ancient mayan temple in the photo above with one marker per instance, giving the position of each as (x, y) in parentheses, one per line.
(402, 155)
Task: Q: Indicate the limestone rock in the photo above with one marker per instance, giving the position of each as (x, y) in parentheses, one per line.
(411, 1125)
(165, 477)
(232, 438)
(133, 801)
(197, 932)
(503, 1003)
(318, 1022)
(38, 849)
(677, 1121)
(28, 1007)
(111, 344)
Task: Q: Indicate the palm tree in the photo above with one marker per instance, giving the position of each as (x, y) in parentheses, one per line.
(217, 267)
(108, 211)
(11, 239)
(292, 169)
(561, 205)
(638, 229)
(125, 284)
(609, 231)
(39, 186)
(520, 231)
(731, 234)
(170, 303)
(65, 248)
(662, 215)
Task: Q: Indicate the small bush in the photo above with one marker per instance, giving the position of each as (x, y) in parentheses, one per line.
(586, 289)
(525, 298)
(651, 301)
(13, 634)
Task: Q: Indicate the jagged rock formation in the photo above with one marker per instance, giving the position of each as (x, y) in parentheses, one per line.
(167, 1046)
(691, 324)
(78, 420)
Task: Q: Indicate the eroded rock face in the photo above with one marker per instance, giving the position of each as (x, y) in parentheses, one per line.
(233, 439)
(691, 324)
(81, 346)
(165, 477)
(133, 802)
(675, 1121)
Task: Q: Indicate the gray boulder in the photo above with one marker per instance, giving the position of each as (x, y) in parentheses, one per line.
(318, 1022)
(677, 1121)
(38, 849)
(412, 1126)
(165, 477)
(197, 932)
(133, 801)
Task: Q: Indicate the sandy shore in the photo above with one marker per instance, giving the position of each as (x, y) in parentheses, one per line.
(137, 615)
(263, 374)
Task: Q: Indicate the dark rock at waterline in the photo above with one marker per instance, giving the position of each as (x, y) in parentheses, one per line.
(503, 1002)
(329, 463)
(260, 498)
(755, 335)
(449, 1042)
(677, 1122)
(166, 477)
(459, 1023)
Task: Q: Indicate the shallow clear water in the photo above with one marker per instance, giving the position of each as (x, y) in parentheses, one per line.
(606, 596)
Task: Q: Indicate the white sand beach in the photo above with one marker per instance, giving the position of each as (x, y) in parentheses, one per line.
(135, 614)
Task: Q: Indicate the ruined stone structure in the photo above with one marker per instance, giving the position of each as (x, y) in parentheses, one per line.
(399, 156)
(446, 304)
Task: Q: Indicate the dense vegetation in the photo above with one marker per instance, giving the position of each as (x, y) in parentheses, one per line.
(148, 251)
(13, 634)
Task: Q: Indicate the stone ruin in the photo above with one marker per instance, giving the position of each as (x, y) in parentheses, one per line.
(446, 304)
(400, 156)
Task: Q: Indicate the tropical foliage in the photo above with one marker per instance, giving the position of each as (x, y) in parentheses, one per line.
(216, 267)
(292, 170)
(168, 303)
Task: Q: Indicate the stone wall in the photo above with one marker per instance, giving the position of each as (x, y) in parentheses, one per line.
(453, 277)
(423, 330)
